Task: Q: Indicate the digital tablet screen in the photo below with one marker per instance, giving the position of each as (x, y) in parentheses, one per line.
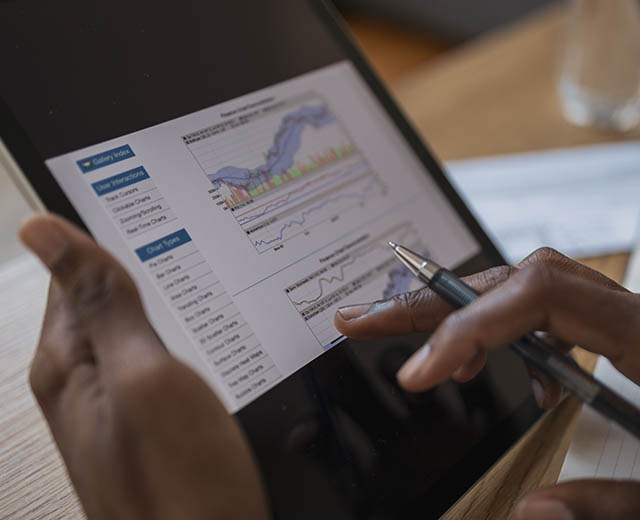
(254, 220)
(233, 156)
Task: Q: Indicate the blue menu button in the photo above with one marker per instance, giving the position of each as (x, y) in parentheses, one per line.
(88, 164)
(163, 245)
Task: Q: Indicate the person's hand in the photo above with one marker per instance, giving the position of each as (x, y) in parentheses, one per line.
(141, 434)
(546, 292)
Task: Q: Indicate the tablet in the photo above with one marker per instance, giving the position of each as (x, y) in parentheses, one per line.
(246, 166)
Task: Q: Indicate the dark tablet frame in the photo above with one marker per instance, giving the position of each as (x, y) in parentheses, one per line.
(463, 474)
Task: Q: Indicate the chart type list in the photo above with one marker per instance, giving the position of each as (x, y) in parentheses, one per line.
(188, 285)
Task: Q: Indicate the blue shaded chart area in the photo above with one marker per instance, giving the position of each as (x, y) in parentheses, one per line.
(285, 170)
(281, 156)
(399, 281)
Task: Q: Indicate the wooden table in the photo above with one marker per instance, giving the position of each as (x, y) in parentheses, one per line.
(497, 96)
(33, 482)
(494, 96)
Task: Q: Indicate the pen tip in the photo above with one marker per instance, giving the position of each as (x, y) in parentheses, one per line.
(393, 245)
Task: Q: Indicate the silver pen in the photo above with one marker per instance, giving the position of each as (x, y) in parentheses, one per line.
(535, 350)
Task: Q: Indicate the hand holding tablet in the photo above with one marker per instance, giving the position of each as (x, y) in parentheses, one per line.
(141, 434)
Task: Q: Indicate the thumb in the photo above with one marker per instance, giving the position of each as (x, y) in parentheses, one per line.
(582, 500)
(99, 292)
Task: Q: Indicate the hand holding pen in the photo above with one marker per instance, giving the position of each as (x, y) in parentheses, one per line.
(549, 292)
(546, 292)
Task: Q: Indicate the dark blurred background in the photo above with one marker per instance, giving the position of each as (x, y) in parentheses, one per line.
(397, 35)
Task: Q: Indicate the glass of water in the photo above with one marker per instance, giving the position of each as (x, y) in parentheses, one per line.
(599, 81)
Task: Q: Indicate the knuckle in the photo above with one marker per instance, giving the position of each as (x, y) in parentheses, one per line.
(546, 256)
(628, 333)
(564, 264)
(64, 264)
(98, 287)
(536, 280)
(411, 301)
(48, 372)
(36, 381)
(496, 275)
(414, 304)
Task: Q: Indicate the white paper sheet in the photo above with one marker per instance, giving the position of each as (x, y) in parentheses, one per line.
(601, 448)
(582, 201)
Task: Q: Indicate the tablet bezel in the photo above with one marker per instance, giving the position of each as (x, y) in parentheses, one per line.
(28, 169)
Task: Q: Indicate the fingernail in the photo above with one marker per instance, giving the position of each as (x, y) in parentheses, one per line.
(351, 312)
(45, 238)
(538, 392)
(413, 366)
(542, 508)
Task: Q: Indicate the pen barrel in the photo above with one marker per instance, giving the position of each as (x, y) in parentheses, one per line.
(547, 359)
(449, 287)
(558, 366)
(614, 407)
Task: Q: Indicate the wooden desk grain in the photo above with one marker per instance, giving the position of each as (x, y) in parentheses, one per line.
(33, 481)
(495, 96)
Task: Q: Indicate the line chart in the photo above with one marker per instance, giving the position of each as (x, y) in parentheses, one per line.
(302, 220)
(399, 233)
(285, 170)
(364, 269)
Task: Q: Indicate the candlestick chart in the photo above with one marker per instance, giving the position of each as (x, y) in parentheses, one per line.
(284, 171)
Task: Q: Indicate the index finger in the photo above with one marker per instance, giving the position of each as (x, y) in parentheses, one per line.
(423, 311)
(417, 311)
